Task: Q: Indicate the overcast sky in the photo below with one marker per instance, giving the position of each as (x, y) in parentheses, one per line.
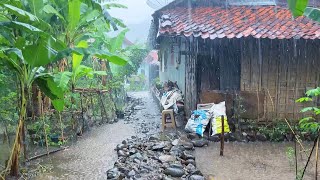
(138, 11)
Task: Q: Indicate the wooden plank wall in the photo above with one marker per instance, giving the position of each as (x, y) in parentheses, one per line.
(283, 69)
(191, 96)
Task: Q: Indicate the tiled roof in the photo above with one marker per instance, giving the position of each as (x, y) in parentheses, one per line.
(236, 22)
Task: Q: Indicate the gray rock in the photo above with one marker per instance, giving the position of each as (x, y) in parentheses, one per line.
(166, 178)
(153, 138)
(174, 172)
(187, 156)
(124, 142)
(176, 166)
(196, 177)
(132, 151)
(167, 148)
(193, 136)
(261, 137)
(177, 150)
(131, 173)
(232, 137)
(158, 147)
(122, 153)
(137, 156)
(121, 146)
(167, 158)
(187, 145)
(189, 161)
(214, 138)
(200, 143)
(190, 167)
(175, 142)
(136, 161)
(113, 173)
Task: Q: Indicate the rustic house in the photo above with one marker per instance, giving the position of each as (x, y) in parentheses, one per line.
(251, 53)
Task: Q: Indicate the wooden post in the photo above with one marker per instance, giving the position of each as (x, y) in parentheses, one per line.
(222, 136)
(316, 159)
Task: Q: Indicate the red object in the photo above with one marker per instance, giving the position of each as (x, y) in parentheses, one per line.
(273, 22)
(152, 57)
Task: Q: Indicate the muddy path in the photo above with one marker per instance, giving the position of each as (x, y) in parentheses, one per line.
(94, 153)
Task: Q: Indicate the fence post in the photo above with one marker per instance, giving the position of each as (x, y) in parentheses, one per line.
(222, 136)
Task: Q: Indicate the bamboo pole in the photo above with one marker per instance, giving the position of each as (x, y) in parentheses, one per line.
(61, 126)
(305, 167)
(295, 155)
(317, 153)
(294, 134)
(222, 136)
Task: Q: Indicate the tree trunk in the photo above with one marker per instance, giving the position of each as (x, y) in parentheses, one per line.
(14, 158)
(104, 68)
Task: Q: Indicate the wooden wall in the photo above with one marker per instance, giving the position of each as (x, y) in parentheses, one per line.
(269, 74)
(283, 70)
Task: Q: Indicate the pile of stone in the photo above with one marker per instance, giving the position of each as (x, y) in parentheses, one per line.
(152, 158)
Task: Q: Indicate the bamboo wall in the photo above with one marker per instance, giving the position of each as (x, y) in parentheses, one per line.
(269, 74)
(283, 69)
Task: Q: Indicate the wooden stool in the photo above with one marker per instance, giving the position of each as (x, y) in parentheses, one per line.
(171, 123)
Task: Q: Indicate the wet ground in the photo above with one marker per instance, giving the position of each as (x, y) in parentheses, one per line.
(250, 161)
(94, 154)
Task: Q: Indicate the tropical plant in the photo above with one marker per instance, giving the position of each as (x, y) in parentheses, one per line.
(311, 122)
(34, 35)
(300, 8)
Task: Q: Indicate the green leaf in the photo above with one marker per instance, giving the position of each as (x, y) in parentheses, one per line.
(89, 17)
(116, 42)
(313, 92)
(304, 99)
(62, 79)
(113, 59)
(15, 51)
(115, 5)
(82, 71)
(305, 120)
(51, 10)
(42, 83)
(25, 26)
(20, 12)
(36, 6)
(58, 104)
(38, 55)
(100, 73)
(74, 13)
(297, 7)
(20, 42)
(306, 109)
(313, 13)
(77, 59)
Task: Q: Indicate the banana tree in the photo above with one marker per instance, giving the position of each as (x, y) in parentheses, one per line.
(26, 51)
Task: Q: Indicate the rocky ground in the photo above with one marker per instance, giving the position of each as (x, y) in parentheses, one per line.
(134, 148)
(152, 154)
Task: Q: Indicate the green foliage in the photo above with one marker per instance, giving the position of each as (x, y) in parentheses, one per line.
(290, 155)
(136, 55)
(297, 7)
(275, 131)
(310, 123)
